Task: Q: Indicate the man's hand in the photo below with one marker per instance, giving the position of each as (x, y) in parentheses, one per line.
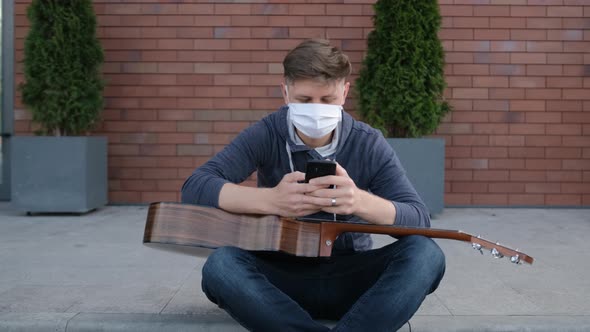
(345, 198)
(289, 198)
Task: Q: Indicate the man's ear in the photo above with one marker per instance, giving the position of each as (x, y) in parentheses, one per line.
(346, 88)
(284, 92)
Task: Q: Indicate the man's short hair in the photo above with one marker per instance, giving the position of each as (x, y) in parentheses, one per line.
(316, 59)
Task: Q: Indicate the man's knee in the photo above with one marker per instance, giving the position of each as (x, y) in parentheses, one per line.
(427, 248)
(220, 267)
(428, 257)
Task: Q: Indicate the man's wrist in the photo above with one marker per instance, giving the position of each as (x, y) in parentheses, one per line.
(244, 199)
(375, 209)
(266, 201)
(363, 199)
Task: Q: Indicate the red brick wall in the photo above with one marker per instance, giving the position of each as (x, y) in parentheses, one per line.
(184, 77)
(517, 75)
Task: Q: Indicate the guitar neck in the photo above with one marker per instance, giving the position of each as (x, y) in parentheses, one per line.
(344, 227)
(331, 230)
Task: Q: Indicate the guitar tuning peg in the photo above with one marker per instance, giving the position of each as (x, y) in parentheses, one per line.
(477, 246)
(515, 259)
(496, 254)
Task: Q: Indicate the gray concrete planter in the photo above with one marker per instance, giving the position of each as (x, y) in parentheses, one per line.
(59, 174)
(424, 162)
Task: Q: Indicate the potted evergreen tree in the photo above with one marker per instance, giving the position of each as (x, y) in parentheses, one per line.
(400, 89)
(62, 169)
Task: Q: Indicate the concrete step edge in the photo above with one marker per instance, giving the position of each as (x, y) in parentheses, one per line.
(130, 322)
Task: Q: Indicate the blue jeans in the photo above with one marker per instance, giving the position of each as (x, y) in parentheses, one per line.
(375, 290)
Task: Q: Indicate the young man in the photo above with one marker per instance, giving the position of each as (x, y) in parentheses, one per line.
(363, 289)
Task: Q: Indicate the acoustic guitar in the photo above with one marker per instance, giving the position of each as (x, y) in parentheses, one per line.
(190, 228)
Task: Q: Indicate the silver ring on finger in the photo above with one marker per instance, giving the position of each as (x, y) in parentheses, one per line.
(333, 201)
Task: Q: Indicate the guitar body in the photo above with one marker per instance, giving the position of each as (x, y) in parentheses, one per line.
(191, 228)
(177, 225)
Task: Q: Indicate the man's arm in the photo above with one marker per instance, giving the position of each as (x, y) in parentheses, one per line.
(233, 164)
(375, 209)
(393, 184)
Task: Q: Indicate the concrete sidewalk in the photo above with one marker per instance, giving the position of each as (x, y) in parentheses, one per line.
(92, 273)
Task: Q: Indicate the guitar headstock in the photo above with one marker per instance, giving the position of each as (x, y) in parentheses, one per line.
(499, 251)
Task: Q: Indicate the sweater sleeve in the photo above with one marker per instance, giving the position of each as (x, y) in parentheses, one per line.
(390, 182)
(234, 164)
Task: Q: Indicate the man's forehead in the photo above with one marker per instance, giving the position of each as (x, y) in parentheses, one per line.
(309, 86)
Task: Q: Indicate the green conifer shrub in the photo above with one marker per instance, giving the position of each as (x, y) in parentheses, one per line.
(401, 83)
(63, 86)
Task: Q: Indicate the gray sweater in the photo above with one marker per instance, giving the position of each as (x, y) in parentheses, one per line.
(362, 150)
